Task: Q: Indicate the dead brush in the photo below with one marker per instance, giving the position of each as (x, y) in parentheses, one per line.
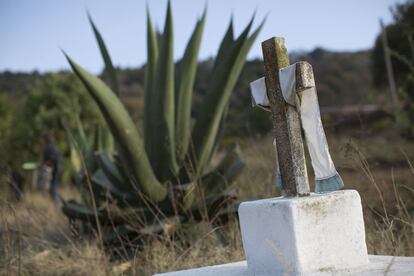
(204, 244)
(390, 231)
(35, 241)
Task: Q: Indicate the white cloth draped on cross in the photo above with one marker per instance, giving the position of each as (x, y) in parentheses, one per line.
(306, 103)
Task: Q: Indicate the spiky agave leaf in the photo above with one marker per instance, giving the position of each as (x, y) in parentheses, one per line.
(129, 141)
(113, 81)
(218, 180)
(109, 68)
(220, 133)
(223, 79)
(225, 45)
(109, 215)
(152, 56)
(83, 141)
(106, 188)
(229, 168)
(75, 159)
(224, 214)
(77, 211)
(112, 177)
(186, 73)
(103, 140)
(211, 204)
(162, 113)
(112, 172)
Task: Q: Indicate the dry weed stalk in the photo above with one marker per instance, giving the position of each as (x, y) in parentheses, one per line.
(393, 232)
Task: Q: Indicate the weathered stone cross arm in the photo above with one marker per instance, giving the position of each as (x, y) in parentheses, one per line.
(304, 76)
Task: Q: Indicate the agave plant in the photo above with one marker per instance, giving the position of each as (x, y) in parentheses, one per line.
(163, 172)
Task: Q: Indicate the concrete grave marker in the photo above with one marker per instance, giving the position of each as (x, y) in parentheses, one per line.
(289, 92)
(301, 233)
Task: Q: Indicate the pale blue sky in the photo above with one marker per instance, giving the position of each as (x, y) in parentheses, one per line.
(32, 31)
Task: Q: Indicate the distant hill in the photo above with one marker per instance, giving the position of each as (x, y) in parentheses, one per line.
(343, 78)
(17, 84)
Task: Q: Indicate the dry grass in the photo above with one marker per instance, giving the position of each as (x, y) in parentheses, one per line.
(35, 241)
(208, 247)
(35, 235)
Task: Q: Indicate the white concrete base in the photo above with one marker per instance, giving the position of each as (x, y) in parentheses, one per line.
(379, 265)
(303, 234)
(322, 234)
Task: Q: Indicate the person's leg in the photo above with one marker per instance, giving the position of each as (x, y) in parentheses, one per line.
(54, 184)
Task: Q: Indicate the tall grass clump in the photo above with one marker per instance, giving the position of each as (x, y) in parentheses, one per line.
(390, 230)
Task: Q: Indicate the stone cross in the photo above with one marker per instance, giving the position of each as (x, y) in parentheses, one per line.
(289, 92)
(286, 121)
